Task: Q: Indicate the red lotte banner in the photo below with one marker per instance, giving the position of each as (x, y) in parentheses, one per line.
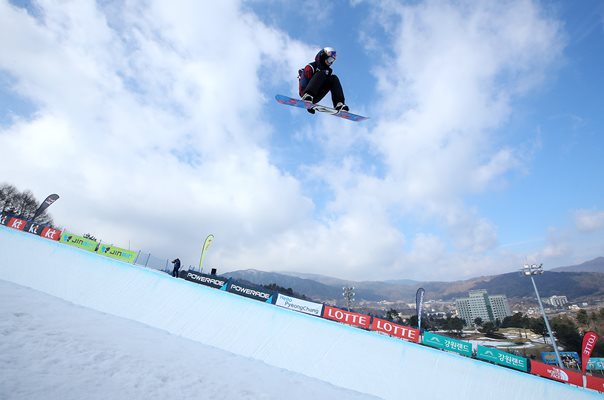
(589, 341)
(392, 329)
(346, 317)
(595, 383)
(555, 373)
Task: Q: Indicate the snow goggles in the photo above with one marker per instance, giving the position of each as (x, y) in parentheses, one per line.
(331, 57)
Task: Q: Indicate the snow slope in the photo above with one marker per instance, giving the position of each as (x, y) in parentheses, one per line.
(342, 356)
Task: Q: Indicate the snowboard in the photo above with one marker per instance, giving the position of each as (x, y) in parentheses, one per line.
(317, 107)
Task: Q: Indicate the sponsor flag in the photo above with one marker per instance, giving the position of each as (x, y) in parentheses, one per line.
(589, 341)
(419, 303)
(204, 250)
(45, 204)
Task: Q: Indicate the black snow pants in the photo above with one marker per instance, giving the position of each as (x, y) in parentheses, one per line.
(320, 84)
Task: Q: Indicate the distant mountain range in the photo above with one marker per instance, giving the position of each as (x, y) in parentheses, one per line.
(577, 282)
(595, 265)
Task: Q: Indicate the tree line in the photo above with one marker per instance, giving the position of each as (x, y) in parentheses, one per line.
(22, 204)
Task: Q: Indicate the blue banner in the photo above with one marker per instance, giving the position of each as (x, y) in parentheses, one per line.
(570, 359)
(596, 364)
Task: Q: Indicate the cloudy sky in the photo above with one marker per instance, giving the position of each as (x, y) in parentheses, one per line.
(156, 123)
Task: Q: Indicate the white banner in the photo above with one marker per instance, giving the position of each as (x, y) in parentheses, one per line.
(303, 306)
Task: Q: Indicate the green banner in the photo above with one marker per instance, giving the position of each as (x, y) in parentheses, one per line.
(446, 343)
(502, 358)
(117, 253)
(78, 241)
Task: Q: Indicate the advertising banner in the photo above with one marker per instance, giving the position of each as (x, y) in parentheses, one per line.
(570, 359)
(35, 229)
(392, 329)
(555, 373)
(16, 223)
(48, 232)
(595, 364)
(4, 218)
(589, 341)
(206, 280)
(595, 383)
(346, 317)
(251, 291)
(45, 204)
(78, 241)
(303, 306)
(446, 343)
(204, 250)
(117, 253)
(502, 358)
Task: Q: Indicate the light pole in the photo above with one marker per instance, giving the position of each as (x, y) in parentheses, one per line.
(530, 270)
(348, 293)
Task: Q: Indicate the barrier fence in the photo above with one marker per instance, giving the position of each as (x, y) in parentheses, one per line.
(320, 310)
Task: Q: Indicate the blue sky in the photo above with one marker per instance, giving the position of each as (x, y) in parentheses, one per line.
(157, 125)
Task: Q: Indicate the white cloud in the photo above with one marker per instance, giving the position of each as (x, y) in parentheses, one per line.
(130, 127)
(589, 220)
(150, 125)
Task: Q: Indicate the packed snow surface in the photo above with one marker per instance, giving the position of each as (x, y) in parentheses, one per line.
(97, 328)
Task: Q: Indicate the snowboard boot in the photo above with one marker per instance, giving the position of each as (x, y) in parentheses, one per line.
(307, 97)
(341, 107)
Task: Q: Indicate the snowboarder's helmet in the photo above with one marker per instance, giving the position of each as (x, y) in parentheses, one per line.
(327, 55)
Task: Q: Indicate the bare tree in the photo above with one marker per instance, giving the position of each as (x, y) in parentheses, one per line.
(7, 194)
(21, 204)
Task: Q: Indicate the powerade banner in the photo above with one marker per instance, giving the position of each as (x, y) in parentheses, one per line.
(570, 359)
(78, 241)
(346, 317)
(251, 291)
(303, 306)
(502, 358)
(595, 383)
(589, 341)
(392, 329)
(446, 343)
(595, 364)
(555, 373)
(203, 279)
(117, 253)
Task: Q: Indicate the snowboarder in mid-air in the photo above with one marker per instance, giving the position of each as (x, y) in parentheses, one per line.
(317, 79)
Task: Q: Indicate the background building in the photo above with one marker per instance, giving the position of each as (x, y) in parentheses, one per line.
(557, 301)
(480, 305)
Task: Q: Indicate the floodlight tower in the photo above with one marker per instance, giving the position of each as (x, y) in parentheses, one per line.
(348, 293)
(530, 271)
